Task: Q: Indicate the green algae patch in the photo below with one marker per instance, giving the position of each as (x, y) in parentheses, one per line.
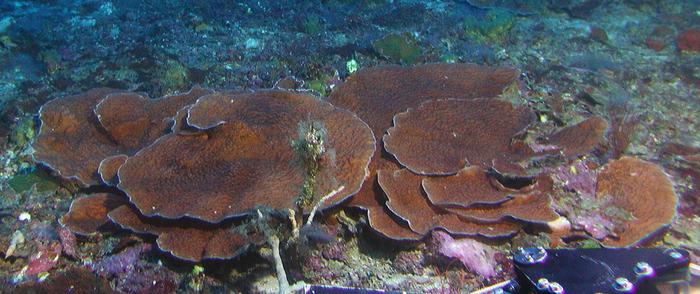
(173, 77)
(399, 48)
(23, 132)
(449, 58)
(39, 178)
(318, 86)
(684, 233)
(312, 25)
(203, 28)
(586, 244)
(494, 27)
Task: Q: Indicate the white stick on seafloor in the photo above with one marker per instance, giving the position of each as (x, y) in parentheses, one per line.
(320, 203)
(282, 282)
(492, 288)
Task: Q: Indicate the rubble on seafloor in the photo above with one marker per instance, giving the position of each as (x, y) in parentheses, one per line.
(573, 107)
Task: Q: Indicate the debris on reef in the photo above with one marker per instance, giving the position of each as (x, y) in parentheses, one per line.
(310, 146)
(16, 241)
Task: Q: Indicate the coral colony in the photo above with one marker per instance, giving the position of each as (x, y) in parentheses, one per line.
(398, 145)
(212, 173)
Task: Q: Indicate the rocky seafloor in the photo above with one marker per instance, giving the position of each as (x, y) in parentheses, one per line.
(637, 60)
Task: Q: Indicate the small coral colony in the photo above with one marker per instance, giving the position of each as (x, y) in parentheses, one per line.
(437, 147)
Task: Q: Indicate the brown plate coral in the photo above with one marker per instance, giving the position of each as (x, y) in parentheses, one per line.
(377, 94)
(439, 129)
(88, 213)
(456, 158)
(238, 154)
(406, 200)
(78, 132)
(243, 158)
(644, 192)
(70, 141)
(441, 137)
(186, 239)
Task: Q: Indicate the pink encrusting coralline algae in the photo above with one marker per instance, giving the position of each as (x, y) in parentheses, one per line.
(475, 256)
